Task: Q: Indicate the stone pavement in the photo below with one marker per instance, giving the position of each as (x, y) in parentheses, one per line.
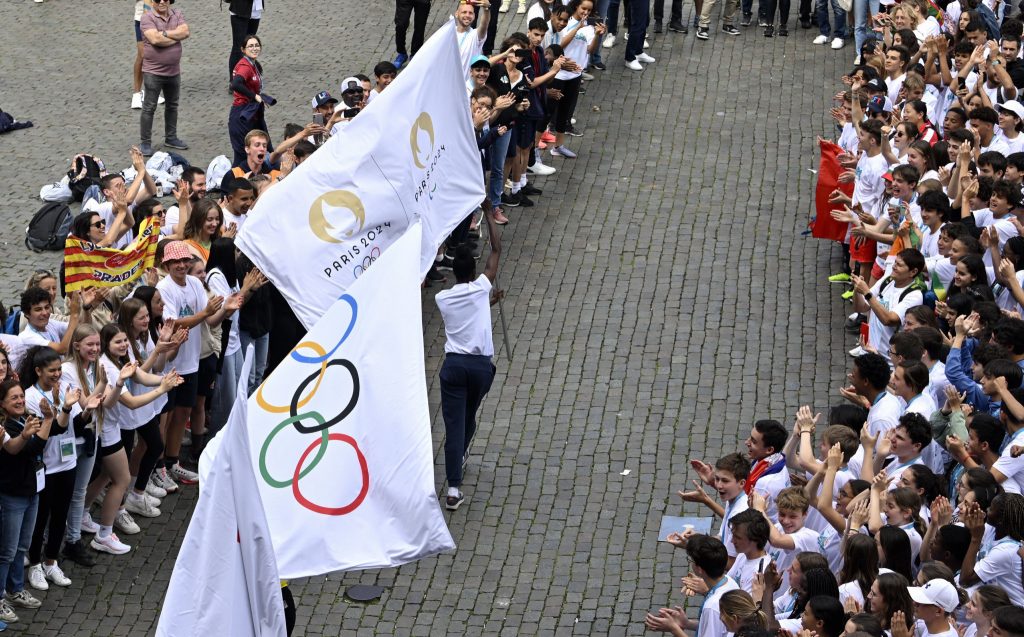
(660, 299)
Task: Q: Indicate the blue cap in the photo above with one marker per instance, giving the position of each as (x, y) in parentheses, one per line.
(478, 59)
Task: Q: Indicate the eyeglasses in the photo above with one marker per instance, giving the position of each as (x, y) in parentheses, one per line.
(99, 224)
(160, 212)
(161, 1)
(254, 46)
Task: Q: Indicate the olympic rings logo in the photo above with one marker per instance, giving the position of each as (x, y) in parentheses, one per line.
(297, 415)
(367, 260)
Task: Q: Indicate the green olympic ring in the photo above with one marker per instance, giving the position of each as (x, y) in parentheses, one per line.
(278, 484)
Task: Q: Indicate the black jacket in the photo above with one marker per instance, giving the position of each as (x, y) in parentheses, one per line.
(18, 471)
(242, 8)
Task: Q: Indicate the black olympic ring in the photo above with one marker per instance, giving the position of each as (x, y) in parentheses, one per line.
(344, 412)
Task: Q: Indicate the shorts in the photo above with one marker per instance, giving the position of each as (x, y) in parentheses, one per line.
(111, 450)
(138, 31)
(526, 132)
(863, 250)
(207, 375)
(184, 395)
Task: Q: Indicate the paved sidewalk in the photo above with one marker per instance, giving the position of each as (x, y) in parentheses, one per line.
(660, 299)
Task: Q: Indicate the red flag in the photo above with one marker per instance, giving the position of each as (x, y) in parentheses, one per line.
(824, 226)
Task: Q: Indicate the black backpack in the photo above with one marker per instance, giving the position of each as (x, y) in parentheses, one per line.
(49, 227)
(85, 172)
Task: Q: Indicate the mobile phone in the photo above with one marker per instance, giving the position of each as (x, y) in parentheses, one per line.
(318, 119)
(349, 113)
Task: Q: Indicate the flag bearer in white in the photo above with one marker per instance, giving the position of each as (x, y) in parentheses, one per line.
(467, 372)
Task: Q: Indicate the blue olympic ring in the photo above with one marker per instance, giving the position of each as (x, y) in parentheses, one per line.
(319, 359)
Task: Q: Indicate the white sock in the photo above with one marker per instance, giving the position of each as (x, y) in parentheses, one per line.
(522, 180)
(453, 492)
(105, 532)
(515, 187)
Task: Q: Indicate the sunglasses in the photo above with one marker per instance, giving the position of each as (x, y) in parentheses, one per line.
(162, 1)
(99, 224)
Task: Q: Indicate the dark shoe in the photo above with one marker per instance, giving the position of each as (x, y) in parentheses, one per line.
(600, 66)
(783, 31)
(769, 31)
(525, 201)
(400, 60)
(176, 143)
(528, 189)
(434, 275)
(747, 19)
(657, 27)
(510, 200)
(762, 21)
(730, 29)
(445, 263)
(852, 325)
(805, 23)
(702, 33)
(678, 27)
(453, 503)
(574, 132)
(76, 552)
(146, 149)
(696, 21)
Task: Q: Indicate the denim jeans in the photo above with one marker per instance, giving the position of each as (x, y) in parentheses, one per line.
(170, 86)
(821, 9)
(601, 9)
(224, 391)
(639, 17)
(497, 184)
(17, 520)
(259, 363)
(465, 380)
(83, 476)
(862, 12)
(612, 16)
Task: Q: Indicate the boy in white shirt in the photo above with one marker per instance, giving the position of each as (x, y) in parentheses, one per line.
(789, 537)
(37, 307)
(708, 557)
(933, 604)
(730, 476)
(750, 533)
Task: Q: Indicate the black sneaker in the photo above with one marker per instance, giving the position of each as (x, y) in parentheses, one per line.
(769, 31)
(529, 189)
(747, 19)
(76, 552)
(510, 200)
(453, 503)
(176, 143)
(657, 26)
(805, 23)
(783, 31)
(445, 263)
(434, 275)
(702, 33)
(678, 27)
(600, 66)
(730, 29)
(525, 201)
(574, 132)
(852, 325)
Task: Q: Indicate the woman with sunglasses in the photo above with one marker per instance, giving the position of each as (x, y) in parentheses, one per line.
(248, 108)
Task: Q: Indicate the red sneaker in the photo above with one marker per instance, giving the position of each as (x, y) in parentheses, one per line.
(548, 137)
(499, 217)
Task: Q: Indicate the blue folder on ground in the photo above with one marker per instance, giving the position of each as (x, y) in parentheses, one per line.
(676, 524)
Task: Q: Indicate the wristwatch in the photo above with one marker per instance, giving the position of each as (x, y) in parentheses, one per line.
(66, 410)
(868, 296)
(164, 33)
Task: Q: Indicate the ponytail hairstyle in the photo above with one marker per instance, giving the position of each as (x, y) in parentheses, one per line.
(817, 581)
(739, 604)
(107, 334)
(82, 332)
(896, 547)
(927, 483)
(860, 562)
(907, 498)
(38, 357)
(126, 314)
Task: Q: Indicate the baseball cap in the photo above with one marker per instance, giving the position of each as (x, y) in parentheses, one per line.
(351, 84)
(887, 176)
(323, 98)
(1012, 106)
(876, 84)
(937, 592)
(879, 104)
(480, 59)
(176, 250)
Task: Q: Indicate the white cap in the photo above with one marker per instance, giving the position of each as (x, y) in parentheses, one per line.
(1014, 107)
(937, 592)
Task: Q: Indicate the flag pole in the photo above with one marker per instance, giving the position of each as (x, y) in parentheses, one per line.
(501, 306)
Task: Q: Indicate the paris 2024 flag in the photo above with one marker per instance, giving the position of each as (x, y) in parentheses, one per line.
(410, 155)
(340, 432)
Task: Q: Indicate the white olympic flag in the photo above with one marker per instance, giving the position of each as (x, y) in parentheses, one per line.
(340, 432)
(410, 155)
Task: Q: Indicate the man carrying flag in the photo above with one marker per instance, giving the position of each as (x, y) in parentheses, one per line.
(467, 371)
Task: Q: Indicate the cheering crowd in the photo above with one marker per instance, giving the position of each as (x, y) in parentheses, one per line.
(901, 512)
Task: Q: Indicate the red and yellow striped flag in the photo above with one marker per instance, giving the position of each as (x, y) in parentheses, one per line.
(86, 265)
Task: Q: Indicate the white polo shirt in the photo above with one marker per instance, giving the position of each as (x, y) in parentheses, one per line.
(466, 311)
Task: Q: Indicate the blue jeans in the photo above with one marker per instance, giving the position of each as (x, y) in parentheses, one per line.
(17, 520)
(465, 380)
(601, 9)
(224, 391)
(497, 184)
(821, 8)
(83, 475)
(259, 365)
(862, 12)
(639, 17)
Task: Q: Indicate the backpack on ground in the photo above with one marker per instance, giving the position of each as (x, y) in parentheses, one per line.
(49, 228)
(86, 171)
(12, 324)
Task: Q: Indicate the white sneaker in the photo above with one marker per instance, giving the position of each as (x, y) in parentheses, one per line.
(88, 525)
(522, 7)
(110, 544)
(160, 100)
(23, 599)
(541, 169)
(55, 575)
(837, 43)
(152, 500)
(124, 523)
(821, 39)
(587, 76)
(609, 41)
(155, 491)
(137, 100)
(7, 614)
(646, 43)
(183, 475)
(140, 505)
(856, 61)
(634, 65)
(504, 6)
(643, 57)
(161, 479)
(36, 578)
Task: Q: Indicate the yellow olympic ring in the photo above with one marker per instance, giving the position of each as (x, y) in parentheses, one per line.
(283, 409)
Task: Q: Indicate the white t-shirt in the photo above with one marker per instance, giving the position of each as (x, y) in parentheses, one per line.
(769, 486)
(15, 349)
(710, 623)
(106, 212)
(879, 333)
(743, 570)
(851, 590)
(182, 301)
(732, 509)
(232, 218)
(830, 544)
(869, 187)
(883, 416)
(144, 414)
(114, 418)
(470, 46)
(52, 333)
(219, 286)
(937, 383)
(998, 144)
(466, 311)
(1013, 469)
(915, 541)
(59, 454)
(1004, 298)
(1001, 566)
(577, 49)
(170, 221)
(804, 539)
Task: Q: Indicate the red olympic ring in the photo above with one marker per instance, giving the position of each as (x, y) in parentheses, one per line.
(348, 508)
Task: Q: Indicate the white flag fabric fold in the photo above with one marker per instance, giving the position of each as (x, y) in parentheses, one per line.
(410, 155)
(340, 432)
(225, 580)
